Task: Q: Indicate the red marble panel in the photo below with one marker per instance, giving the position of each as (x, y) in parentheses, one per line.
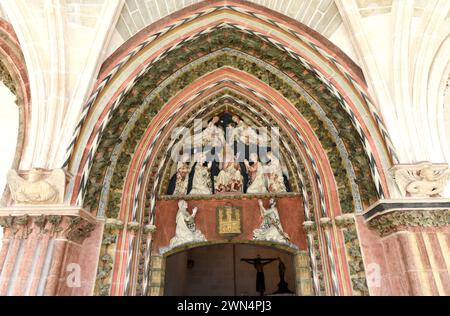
(374, 258)
(289, 208)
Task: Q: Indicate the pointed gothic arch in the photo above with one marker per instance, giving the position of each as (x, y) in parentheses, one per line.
(304, 82)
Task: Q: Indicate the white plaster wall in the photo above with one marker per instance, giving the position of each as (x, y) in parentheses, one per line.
(9, 127)
(341, 39)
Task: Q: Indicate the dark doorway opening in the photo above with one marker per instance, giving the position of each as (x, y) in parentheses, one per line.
(218, 270)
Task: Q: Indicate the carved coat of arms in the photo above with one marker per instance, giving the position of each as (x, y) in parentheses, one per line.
(229, 220)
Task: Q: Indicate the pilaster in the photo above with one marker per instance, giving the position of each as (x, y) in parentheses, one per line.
(41, 248)
(415, 238)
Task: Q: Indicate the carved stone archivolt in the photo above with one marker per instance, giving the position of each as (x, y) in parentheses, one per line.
(73, 225)
(421, 180)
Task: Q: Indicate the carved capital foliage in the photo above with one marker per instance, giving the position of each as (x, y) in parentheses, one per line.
(325, 222)
(133, 226)
(149, 229)
(344, 221)
(424, 179)
(20, 224)
(310, 227)
(113, 224)
(403, 219)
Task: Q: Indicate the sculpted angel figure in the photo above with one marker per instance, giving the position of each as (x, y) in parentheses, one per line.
(213, 135)
(274, 174)
(428, 181)
(201, 183)
(271, 228)
(243, 133)
(256, 174)
(37, 189)
(186, 231)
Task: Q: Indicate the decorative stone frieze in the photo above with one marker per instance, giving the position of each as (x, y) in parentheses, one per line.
(391, 216)
(71, 224)
(398, 220)
(421, 180)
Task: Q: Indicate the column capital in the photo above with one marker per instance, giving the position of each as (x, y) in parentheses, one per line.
(69, 223)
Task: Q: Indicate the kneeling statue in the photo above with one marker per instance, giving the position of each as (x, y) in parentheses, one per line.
(185, 230)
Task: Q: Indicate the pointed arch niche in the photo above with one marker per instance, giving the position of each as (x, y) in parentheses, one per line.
(269, 69)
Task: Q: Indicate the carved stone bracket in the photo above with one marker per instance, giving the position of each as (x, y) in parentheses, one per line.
(72, 224)
(391, 216)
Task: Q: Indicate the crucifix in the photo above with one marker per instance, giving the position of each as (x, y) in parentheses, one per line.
(259, 264)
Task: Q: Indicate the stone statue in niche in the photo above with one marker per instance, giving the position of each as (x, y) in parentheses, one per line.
(201, 182)
(255, 171)
(422, 180)
(186, 231)
(274, 174)
(38, 188)
(271, 229)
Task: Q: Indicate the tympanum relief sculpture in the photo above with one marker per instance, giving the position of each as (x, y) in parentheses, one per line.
(423, 180)
(228, 156)
(38, 188)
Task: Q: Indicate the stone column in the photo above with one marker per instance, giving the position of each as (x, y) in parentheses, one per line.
(107, 253)
(346, 223)
(303, 274)
(158, 265)
(43, 237)
(41, 248)
(148, 235)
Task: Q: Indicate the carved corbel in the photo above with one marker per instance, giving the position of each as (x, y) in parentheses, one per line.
(37, 187)
(422, 180)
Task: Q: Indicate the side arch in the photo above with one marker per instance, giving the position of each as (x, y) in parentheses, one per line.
(13, 73)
